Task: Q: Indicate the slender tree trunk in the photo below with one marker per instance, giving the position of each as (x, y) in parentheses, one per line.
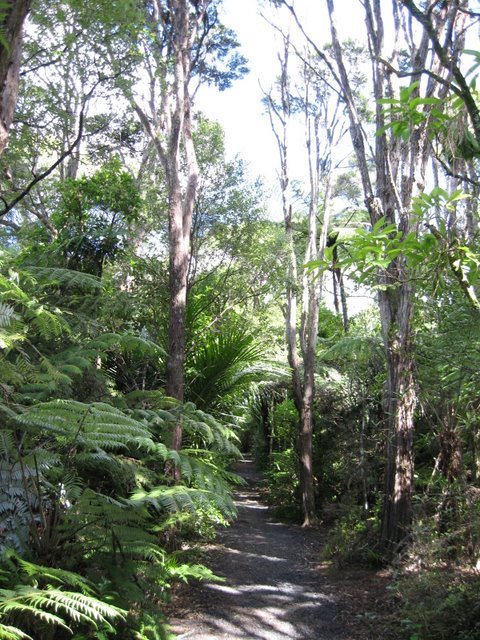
(180, 207)
(169, 126)
(303, 388)
(13, 17)
(395, 169)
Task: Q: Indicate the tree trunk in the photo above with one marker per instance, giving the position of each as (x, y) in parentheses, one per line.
(13, 17)
(400, 403)
(396, 169)
(169, 127)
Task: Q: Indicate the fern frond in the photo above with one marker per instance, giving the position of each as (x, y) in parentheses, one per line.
(65, 278)
(169, 499)
(23, 601)
(7, 632)
(204, 428)
(11, 291)
(51, 575)
(92, 426)
(154, 399)
(185, 571)
(78, 607)
(98, 509)
(7, 314)
(352, 348)
(14, 373)
(126, 342)
(47, 324)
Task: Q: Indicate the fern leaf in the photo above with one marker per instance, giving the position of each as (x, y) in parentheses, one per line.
(170, 499)
(196, 571)
(7, 314)
(127, 342)
(65, 278)
(77, 606)
(93, 426)
(25, 602)
(47, 324)
(8, 632)
(53, 575)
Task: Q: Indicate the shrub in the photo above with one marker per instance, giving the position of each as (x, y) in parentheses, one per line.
(439, 604)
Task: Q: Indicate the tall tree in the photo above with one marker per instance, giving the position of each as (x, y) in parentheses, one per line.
(400, 164)
(181, 43)
(322, 131)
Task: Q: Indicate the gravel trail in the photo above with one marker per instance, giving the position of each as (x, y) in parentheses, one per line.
(271, 589)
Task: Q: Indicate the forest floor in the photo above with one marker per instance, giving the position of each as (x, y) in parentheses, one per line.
(276, 587)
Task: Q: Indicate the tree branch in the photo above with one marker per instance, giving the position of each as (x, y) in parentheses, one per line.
(463, 90)
(8, 207)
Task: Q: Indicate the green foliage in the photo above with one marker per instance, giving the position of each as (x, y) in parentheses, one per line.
(223, 366)
(83, 483)
(38, 599)
(283, 480)
(352, 538)
(439, 604)
(407, 112)
(443, 118)
(93, 218)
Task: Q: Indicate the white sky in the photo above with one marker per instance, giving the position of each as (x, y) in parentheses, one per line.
(239, 109)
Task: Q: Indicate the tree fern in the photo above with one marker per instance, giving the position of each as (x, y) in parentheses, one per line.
(89, 426)
(63, 278)
(27, 601)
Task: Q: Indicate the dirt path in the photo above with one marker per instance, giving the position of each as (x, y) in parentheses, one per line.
(271, 589)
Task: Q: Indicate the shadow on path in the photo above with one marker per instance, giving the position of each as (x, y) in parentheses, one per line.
(271, 590)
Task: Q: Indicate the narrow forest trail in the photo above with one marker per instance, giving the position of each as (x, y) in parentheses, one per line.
(271, 590)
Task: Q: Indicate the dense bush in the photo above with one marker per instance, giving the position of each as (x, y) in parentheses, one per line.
(439, 604)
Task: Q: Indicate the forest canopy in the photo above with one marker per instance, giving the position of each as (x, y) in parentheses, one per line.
(158, 319)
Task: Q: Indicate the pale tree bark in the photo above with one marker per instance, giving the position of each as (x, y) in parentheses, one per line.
(169, 126)
(311, 304)
(12, 19)
(399, 175)
(279, 119)
(317, 127)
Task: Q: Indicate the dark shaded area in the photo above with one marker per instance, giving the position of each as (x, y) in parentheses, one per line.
(271, 589)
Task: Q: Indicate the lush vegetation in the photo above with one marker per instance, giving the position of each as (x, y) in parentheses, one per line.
(145, 296)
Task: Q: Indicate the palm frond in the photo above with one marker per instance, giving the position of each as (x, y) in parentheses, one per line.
(222, 366)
